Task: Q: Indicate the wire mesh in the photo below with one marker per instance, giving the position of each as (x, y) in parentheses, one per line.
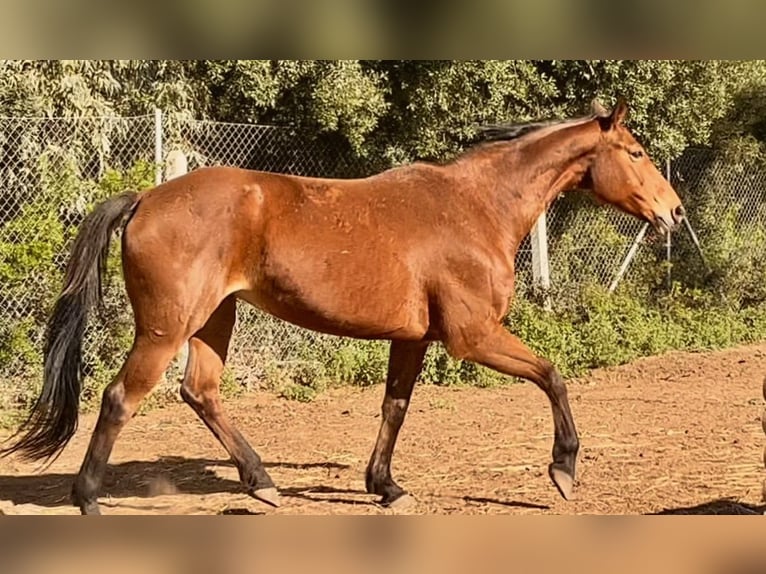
(52, 170)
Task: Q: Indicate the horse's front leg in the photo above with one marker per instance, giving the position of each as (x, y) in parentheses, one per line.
(405, 362)
(492, 346)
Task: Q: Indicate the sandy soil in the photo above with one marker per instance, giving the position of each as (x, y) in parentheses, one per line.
(679, 433)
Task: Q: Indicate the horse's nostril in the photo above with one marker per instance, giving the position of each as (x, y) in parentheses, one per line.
(679, 213)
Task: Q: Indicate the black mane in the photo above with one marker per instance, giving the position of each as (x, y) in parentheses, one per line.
(505, 132)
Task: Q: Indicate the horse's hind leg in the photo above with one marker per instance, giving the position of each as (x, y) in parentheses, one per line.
(141, 371)
(200, 389)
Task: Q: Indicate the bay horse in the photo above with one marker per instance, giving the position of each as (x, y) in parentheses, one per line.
(416, 254)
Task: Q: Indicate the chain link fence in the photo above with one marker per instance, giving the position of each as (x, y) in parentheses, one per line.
(53, 170)
(738, 185)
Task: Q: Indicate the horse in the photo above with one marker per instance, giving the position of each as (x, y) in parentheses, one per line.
(416, 254)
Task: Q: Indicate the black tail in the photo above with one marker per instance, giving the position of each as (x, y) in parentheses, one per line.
(53, 419)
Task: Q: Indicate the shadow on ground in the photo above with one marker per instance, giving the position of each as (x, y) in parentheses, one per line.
(138, 478)
(718, 506)
(508, 503)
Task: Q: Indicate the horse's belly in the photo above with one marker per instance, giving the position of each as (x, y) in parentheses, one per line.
(361, 314)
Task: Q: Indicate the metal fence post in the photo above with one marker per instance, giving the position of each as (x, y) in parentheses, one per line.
(629, 257)
(540, 264)
(157, 146)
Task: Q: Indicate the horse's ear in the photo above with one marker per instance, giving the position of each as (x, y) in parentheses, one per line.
(619, 112)
(598, 110)
(614, 118)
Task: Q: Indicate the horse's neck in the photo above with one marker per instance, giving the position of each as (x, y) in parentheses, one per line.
(532, 175)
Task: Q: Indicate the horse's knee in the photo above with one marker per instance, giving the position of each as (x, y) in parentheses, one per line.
(191, 396)
(555, 382)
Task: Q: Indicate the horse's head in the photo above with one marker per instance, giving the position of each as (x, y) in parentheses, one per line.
(623, 175)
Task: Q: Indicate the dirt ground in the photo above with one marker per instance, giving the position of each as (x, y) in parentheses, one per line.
(679, 433)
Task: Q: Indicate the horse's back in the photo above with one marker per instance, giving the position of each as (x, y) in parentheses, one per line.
(325, 254)
(357, 257)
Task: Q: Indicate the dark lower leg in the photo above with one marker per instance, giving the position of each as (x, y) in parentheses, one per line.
(142, 369)
(200, 389)
(565, 441)
(404, 365)
(505, 353)
(110, 421)
(207, 405)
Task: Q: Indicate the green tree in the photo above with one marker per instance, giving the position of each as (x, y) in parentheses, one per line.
(673, 104)
(398, 110)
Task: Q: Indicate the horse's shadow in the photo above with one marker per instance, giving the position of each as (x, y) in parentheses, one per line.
(197, 476)
(145, 479)
(718, 506)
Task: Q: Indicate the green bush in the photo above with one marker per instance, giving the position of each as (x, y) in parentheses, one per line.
(33, 254)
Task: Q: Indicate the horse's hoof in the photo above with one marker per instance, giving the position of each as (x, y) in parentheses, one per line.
(563, 481)
(90, 509)
(400, 503)
(268, 495)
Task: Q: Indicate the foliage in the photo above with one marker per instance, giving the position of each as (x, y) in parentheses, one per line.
(398, 110)
(673, 104)
(434, 105)
(390, 112)
(78, 88)
(31, 245)
(726, 204)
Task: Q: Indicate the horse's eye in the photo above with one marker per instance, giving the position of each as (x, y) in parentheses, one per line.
(637, 154)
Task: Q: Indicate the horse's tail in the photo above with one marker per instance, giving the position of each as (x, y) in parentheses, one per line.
(53, 419)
